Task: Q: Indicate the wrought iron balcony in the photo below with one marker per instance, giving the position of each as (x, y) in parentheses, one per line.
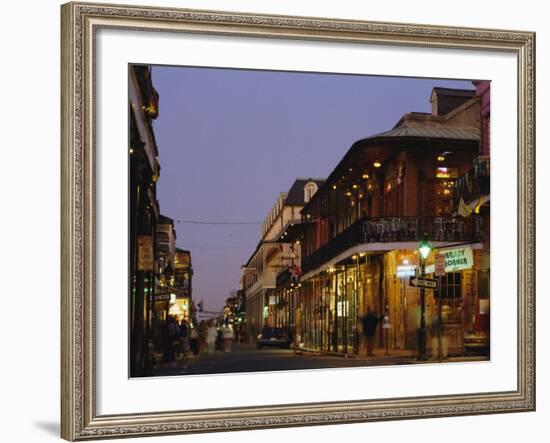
(283, 278)
(396, 229)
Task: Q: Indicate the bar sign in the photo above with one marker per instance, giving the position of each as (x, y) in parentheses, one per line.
(439, 265)
(145, 253)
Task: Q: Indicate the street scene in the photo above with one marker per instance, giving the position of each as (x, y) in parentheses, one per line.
(297, 221)
(247, 358)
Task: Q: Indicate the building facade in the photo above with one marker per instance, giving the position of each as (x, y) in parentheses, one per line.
(183, 286)
(234, 313)
(143, 212)
(472, 197)
(165, 257)
(264, 304)
(360, 234)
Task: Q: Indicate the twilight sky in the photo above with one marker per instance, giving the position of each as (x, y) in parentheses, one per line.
(231, 140)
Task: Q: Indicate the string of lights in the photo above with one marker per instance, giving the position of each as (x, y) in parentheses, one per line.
(215, 248)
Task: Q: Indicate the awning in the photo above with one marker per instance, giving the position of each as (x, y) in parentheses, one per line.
(378, 247)
(430, 132)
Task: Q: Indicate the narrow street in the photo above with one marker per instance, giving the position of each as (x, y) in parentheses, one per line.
(389, 245)
(246, 358)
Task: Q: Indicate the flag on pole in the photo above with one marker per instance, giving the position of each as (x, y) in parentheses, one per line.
(482, 200)
(463, 209)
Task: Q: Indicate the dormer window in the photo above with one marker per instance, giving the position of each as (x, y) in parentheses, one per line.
(309, 190)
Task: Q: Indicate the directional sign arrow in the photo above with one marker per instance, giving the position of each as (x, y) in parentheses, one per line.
(420, 282)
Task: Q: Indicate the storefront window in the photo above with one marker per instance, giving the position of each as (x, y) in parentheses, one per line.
(451, 296)
(451, 285)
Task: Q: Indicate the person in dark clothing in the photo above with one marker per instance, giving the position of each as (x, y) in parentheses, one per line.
(168, 336)
(370, 321)
(194, 340)
(173, 332)
(184, 338)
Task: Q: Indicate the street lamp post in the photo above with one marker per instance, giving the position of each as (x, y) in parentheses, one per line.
(424, 250)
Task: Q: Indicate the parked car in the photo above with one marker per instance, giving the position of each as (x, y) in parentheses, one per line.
(273, 337)
(476, 342)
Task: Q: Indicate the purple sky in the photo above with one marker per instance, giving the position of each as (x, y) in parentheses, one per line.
(231, 140)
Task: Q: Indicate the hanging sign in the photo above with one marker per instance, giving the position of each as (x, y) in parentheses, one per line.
(405, 271)
(455, 260)
(458, 259)
(146, 258)
(439, 270)
(183, 259)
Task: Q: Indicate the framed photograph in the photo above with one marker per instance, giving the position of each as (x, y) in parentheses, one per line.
(277, 221)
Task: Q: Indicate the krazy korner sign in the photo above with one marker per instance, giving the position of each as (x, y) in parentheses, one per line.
(455, 260)
(458, 259)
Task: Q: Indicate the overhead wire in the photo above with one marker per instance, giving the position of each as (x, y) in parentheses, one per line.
(205, 222)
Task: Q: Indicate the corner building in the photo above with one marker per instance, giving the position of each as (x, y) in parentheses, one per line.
(360, 233)
(143, 211)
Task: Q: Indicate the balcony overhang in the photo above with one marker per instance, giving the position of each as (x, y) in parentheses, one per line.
(257, 288)
(383, 247)
(292, 231)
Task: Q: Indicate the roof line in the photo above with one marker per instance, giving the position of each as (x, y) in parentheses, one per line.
(462, 107)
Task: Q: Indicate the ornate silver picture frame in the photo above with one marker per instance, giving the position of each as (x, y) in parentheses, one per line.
(80, 24)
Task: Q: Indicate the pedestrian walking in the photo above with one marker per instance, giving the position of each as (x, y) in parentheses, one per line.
(194, 340)
(203, 328)
(219, 338)
(242, 332)
(211, 336)
(370, 321)
(173, 338)
(184, 338)
(386, 326)
(165, 341)
(228, 337)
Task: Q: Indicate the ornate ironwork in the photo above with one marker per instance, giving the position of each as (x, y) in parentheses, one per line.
(397, 229)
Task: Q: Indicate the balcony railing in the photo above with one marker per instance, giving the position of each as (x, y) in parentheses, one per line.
(286, 277)
(396, 229)
(283, 278)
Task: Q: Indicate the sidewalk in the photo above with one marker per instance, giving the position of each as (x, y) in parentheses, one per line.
(378, 352)
(393, 357)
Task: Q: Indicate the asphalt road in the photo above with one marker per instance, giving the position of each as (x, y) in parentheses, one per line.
(246, 358)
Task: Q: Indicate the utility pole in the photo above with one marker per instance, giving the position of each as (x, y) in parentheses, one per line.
(422, 330)
(424, 249)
